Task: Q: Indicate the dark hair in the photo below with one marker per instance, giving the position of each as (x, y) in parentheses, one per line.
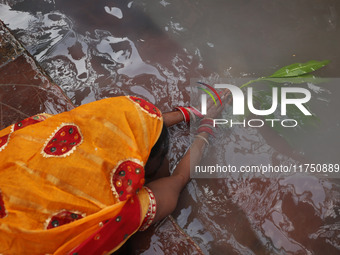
(162, 144)
(157, 154)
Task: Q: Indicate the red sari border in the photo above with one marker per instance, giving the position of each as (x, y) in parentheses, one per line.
(113, 232)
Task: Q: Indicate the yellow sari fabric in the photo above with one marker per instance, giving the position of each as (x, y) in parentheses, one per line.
(55, 194)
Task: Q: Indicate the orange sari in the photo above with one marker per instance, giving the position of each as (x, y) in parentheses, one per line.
(73, 183)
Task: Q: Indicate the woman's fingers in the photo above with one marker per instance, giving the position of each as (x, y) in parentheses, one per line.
(213, 109)
(224, 95)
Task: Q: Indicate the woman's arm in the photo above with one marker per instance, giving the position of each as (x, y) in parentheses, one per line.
(168, 189)
(172, 118)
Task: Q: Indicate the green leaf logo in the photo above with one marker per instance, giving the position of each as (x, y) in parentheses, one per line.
(209, 93)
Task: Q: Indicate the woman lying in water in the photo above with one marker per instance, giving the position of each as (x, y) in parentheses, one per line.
(74, 183)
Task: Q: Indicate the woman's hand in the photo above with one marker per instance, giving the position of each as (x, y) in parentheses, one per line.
(214, 110)
(167, 190)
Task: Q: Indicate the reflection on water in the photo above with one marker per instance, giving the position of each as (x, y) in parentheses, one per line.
(97, 49)
(86, 65)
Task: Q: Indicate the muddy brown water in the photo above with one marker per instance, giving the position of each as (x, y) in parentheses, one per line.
(97, 49)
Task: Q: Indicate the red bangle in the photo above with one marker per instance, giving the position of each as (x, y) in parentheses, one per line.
(185, 113)
(205, 129)
(207, 121)
(189, 112)
(195, 111)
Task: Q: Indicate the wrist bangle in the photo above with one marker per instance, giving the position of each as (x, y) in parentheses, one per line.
(192, 115)
(195, 111)
(184, 112)
(206, 130)
(189, 113)
(207, 121)
(206, 125)
(202, 138)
